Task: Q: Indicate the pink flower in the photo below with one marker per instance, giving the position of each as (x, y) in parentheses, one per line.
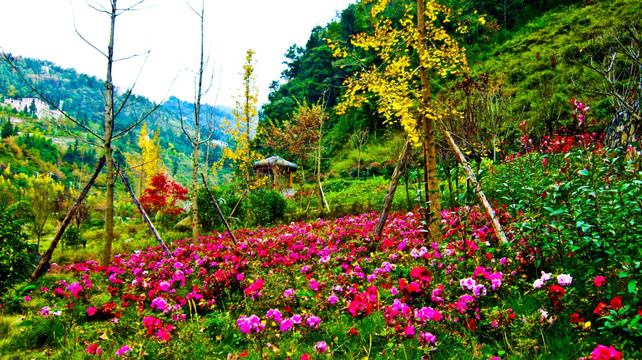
(332, 299)
(286, 325)
(427, 338)
(240, 277)
(91, 311)
(314, 285)
(321, 347)
(289, 293)
(564, 279)
(45, 311)
(602, 352)
(599, 281)
(123, 350)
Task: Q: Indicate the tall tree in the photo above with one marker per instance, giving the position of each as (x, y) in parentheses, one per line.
(195, 137)
(244, 129)
(400, 78)
(113, 106)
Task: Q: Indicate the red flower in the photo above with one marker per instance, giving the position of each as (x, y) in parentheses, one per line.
(601, 309)
(616, 303)
(353, 332)
(306, 357)
(576, 318)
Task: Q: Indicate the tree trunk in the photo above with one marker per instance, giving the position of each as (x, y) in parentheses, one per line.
(40, 268)
(109, 128)
(390, 194)
(431, 182)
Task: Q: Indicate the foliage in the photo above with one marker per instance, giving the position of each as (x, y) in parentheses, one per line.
(265, 207)
(244, 130)
(395, 85)
(208, 217)
(300, 137)
(162, 196)
(16, 255)
(151, 162)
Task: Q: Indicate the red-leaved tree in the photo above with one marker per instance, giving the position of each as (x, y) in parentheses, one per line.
(162, 196)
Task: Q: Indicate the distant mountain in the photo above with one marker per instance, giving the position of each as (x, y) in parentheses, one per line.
(209, 115)
(81, 96)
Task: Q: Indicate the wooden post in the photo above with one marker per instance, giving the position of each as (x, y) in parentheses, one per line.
(40, 268)
(478, 190)
(142, 211)
(218, 209)
(394, 181)
(290, 170)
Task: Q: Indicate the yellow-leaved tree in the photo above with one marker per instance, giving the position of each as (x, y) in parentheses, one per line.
(408, 53)
(244, 128)
(150, 159)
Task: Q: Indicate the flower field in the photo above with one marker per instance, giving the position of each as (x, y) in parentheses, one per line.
(565, 286)
(313, 291)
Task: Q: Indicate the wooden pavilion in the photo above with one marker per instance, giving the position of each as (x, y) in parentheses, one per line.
(275, 166)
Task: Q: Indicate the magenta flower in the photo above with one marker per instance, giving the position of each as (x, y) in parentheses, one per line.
(599, 281)
(94, 349)
(274, 314)
(313, 321)
(332, 299)
(45, 311)
(91, 311)
(289, 293)
(321, 347)
(164, 286)
(159, 303)
(314, 285)
(286, 325)
(123, 350)
(602, 352)
(427, 338)
(251, 324)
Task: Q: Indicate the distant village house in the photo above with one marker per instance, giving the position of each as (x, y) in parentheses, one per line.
(42, 108)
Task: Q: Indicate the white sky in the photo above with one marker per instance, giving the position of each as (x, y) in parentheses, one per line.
(44, 29)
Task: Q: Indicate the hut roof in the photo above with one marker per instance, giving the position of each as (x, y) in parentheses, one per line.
(275, 160)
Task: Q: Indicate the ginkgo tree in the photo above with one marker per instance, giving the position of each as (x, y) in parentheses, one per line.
(151, 162)
(243, 130)
(408, 53)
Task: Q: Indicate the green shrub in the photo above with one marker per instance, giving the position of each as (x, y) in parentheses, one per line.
(72, 237)
(17, 257)
(208, 217)
(265, 207)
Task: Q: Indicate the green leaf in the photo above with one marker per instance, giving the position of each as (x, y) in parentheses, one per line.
(584, 172)
(624, 274)
(632, 285)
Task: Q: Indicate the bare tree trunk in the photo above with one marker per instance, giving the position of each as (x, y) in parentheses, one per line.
(431, 182)
(40, 268)
(387, 202)
(109, 124)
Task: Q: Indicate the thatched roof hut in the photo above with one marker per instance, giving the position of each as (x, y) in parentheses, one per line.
(275, 165)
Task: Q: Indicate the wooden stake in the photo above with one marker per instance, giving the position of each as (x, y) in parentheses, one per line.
(218, 209)
(394, 181)
(478, 190)
(40, 268)
(142, 212)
